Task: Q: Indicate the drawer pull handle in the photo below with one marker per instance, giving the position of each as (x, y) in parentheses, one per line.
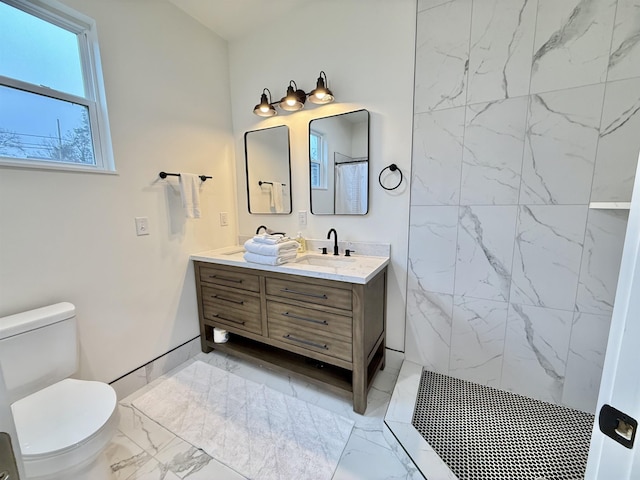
(306, 342)
(226, 279)
(228, 319)
(238, 302)
(312, 320)
(314, 295)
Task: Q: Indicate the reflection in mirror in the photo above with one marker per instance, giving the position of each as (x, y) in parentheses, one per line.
(339, 164)
(268, 170)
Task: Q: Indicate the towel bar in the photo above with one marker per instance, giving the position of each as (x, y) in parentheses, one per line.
(165, 175)
(260, 182)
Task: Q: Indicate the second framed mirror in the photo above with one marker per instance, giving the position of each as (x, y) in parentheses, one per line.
(339, 164)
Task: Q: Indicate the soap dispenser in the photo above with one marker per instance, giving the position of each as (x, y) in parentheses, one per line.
(302, 243)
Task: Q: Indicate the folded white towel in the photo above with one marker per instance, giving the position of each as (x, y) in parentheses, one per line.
(190, 193)
(268, 260)
(270, 250)
(271, 239)
(276, 197)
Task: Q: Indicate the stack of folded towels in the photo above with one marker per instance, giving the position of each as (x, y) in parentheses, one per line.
(270, 249)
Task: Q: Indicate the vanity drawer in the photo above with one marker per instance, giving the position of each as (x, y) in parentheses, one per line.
(308, 292)
(234, 309)
(290, 334)
(307, 318)
(230, 278)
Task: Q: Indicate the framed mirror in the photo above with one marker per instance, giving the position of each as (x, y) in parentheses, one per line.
(268, 167)
(339, 164)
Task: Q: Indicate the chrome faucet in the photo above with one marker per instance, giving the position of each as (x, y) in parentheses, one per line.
(335, 240)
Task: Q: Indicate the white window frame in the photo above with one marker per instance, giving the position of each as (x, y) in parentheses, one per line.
(322, 162)
(95, 100)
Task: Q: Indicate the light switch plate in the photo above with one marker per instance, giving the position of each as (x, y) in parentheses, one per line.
(224, 219)
(302, 218)
(142, 226)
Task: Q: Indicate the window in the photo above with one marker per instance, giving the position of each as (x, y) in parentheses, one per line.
(318, 161)
(52, 105)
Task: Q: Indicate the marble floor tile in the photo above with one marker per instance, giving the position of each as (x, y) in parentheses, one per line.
(363, 459)
(187, 462)
(142, 430)
(125, 457)
(168, 455)
(153, 470)
(399, 429)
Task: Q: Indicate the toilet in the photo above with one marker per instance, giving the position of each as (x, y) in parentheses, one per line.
(63, 424)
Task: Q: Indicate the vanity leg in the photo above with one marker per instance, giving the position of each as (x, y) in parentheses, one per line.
(359, 393)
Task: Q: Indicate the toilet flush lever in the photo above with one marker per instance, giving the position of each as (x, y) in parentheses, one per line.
(4, 475)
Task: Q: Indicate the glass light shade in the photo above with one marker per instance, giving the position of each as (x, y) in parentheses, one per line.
(293, 100)
(264, 108)
(321, 94)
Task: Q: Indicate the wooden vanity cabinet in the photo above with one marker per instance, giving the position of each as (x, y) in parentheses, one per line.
(329, 332)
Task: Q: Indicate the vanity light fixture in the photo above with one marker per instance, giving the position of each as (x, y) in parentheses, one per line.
(265, 107)
(321, 94)
(295, 98)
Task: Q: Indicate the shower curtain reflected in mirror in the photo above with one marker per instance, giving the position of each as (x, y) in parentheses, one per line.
(351, 177)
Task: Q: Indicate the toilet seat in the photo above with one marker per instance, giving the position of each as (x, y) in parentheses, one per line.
(65, 425)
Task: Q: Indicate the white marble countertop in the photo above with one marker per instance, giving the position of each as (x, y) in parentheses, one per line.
(354, 269)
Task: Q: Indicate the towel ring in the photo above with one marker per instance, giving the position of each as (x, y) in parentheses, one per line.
(393, 167)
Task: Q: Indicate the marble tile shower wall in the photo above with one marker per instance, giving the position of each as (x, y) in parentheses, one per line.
(525, 111)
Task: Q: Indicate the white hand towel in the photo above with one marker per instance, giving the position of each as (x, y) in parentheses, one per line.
(190, 193)
(271, 250)
(266, 260)
(276, 197)
(271, 239)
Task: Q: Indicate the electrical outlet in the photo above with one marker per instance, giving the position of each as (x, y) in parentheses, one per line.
(302, 218)
(142, 226)
(224, 219)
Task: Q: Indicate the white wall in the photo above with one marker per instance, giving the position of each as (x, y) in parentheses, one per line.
(71, 236)
(367, 50)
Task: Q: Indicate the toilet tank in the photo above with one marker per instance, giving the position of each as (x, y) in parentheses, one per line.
(38, 348)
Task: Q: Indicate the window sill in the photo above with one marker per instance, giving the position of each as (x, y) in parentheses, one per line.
(52, 166)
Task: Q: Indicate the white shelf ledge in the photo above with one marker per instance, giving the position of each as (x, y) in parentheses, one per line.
(610, 205)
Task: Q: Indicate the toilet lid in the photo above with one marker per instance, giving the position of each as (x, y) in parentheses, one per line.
(62, 415)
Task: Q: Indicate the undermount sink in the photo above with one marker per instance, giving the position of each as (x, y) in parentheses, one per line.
(324, 260)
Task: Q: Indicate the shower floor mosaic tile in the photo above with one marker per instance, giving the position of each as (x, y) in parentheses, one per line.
(484, 433)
